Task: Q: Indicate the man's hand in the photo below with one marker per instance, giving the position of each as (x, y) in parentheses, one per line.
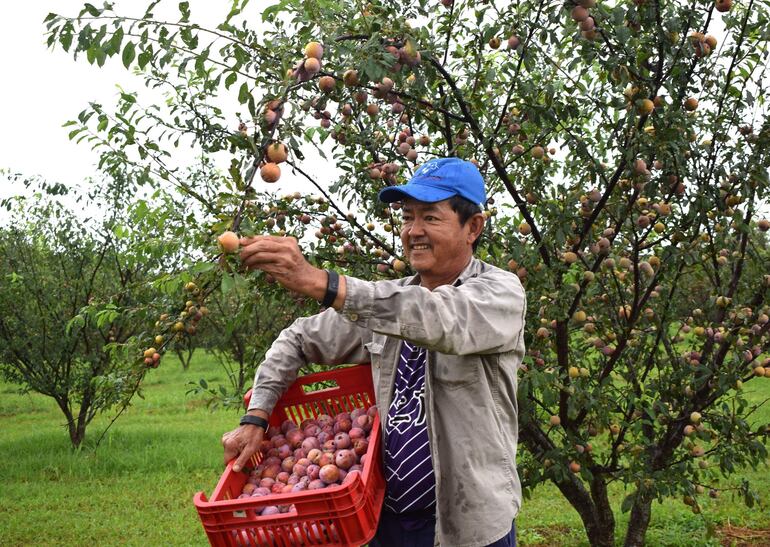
(242, 443)
(282, 258)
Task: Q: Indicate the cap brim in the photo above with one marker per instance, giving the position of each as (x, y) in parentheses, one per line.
(428, 194)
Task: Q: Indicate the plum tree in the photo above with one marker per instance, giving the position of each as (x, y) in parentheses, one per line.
(626, 166)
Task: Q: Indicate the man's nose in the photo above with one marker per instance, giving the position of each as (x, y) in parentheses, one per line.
(416, 228)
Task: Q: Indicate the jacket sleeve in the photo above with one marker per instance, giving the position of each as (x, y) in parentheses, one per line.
(483, 315)
(326, 338)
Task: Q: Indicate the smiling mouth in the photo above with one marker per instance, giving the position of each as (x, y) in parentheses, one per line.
(420, 247)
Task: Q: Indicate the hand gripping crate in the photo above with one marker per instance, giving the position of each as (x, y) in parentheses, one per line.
(338, 515)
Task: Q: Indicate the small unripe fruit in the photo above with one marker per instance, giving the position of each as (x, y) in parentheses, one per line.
(525, 229)
(695, 417)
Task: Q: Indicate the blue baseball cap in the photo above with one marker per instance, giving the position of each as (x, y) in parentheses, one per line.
(439, 179)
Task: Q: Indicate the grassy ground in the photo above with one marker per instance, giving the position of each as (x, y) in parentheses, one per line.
(137, 488)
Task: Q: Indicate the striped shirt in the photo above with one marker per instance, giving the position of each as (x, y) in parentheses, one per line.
(411, 482)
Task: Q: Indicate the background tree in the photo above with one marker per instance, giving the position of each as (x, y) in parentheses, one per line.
(73, 296)
(625, 149)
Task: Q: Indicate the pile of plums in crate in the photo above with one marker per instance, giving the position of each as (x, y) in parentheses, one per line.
(315, 454)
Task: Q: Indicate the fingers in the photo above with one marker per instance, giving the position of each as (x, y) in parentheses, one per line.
(247, 452)
(266, 251)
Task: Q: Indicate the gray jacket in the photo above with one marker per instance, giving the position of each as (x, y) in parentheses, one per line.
(473, 331)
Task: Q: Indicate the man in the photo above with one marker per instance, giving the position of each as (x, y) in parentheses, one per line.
(444, 346)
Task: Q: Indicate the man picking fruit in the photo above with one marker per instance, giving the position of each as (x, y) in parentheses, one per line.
(444, 346)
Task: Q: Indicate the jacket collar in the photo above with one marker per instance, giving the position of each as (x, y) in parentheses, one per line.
(473, 269)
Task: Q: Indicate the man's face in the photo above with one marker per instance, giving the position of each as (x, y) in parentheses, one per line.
(434, 241)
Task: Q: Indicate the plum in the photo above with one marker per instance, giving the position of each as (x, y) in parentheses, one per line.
(342, 440)
(360, 446)
(329, 446)
(278, 440)
(284, 451)
(325, 459)
(312, 430)
(365, 422)
(295, 437)
(299, 469)
(266, 483)
(316, 484)
(345, 459)
(261, 491)
(323, 436)
(352, 474)
(356, 433)
(271, 471)
(344, 424)
(329, 474)
(312, 471)
(299, 487)
(249, 488)
(324, 420)
(342, 416)
(287, 426)
(314, 455)
(309, 443)
(272, 431)
(288, 463)
(270, 510)
(357, 412)
(283, 476)
(277, 487)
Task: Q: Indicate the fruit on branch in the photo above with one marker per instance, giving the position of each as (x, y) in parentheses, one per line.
(711, 41)
(691, 104)
(574, 467)
(587, 25)
(270, 172)
(724, 5)
(513, 42)
(326, 84)
(525, 229)
(645, 106)
(350, 77)
(276, 152)
(763, 224)
(537, 152)
(229, 241)
(372, 109)
(314, 50)
(579, 13)
(494, 42)
(311, 66)
(399, 265)
(554, 420)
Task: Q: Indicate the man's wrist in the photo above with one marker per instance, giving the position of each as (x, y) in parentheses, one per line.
(258, 421)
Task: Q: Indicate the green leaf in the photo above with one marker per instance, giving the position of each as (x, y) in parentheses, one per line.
(129, 52)
(227, 284)
(230, 80)
(243, 93)
(628, 502)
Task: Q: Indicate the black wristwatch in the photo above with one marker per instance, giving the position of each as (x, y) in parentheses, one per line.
(248, 419)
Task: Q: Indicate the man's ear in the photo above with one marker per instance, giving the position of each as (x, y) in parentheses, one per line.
(476, 226)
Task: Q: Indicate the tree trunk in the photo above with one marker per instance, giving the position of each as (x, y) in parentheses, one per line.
(594, 507)
(639, 521)
(600, 528)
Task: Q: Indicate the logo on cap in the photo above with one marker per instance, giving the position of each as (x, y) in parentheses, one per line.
(427, 168)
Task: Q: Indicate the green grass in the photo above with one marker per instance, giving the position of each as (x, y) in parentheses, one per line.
(137, 488)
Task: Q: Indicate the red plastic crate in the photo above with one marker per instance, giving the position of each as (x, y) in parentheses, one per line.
(338, 515)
